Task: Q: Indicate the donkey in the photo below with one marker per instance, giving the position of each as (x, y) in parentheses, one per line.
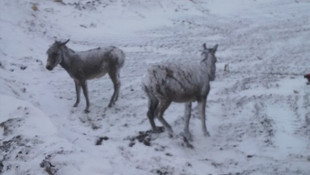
(86, 65)
(177, 82)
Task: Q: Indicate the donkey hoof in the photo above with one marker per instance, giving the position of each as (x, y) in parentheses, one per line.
(187, 135)
(111, 105)
(206, 134)
(158, 130)
(86, 111)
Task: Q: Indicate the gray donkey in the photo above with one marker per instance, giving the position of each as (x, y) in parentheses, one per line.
(177, 82)
(86, 65)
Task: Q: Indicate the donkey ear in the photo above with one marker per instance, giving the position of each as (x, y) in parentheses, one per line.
(64, 43)
(215, 48)
(204, 46)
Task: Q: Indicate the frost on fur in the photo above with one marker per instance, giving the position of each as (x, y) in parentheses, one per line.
(177, 82)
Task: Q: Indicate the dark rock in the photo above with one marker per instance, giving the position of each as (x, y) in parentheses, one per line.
(101, 139)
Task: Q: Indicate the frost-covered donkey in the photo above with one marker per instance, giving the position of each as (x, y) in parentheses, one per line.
(176, 82)
(86, 65)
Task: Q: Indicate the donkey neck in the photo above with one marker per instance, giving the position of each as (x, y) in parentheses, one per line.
(66, 57)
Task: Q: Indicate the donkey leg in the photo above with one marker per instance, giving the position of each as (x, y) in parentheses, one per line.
(85, 91)
(188, 110)
(153, 103)
(78, 92)
(162, 106)
(202, 108)
(114, 75)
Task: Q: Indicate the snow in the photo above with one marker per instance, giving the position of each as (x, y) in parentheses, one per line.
(257, 111)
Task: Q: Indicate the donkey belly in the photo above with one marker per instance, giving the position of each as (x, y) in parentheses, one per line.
(95, 71)
(177, 94)
(186, 97)
(96, 74)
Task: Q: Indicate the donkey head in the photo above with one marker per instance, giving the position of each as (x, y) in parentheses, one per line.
(55, 54)
(210, 59)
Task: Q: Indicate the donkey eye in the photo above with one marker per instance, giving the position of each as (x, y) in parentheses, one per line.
(53, 56)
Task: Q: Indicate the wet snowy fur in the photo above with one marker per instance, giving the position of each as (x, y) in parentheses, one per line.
(86, 65)
(180, 82)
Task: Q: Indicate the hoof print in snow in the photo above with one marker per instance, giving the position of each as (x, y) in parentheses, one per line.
(161, 148)
(250, 156)
(48, 167)
(131, 144)
(94, 127)
(101, 139)
(169, 154)
(52, 166)
(142, 137)
(145, 138)
(23, 67)
(162, 171)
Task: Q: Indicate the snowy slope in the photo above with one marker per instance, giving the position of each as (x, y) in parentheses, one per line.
(258, 109)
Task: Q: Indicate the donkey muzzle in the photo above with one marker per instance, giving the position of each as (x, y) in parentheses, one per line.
(48, 67)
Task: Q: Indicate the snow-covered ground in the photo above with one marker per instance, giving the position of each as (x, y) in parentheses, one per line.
(258, 110)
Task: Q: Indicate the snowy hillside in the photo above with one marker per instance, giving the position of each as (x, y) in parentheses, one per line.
(258, 109)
